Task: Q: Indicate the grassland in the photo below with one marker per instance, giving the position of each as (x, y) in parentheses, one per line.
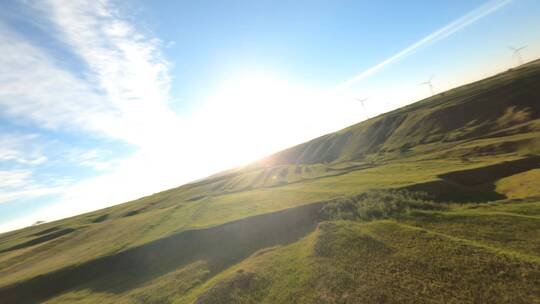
(456, 256)
(476, 145)
(393, 261)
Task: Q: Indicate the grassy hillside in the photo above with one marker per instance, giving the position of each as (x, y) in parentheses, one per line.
(477, 146)
(410, 261)
(498, 106)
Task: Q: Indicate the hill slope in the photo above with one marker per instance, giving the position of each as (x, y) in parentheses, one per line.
(497, 106)
(476, 143)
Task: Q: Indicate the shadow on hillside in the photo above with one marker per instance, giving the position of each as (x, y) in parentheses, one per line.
(43, 236)
(219, 246)
(476, 184)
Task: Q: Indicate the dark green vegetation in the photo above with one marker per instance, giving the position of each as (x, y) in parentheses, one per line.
(378, 204)
(435, 202)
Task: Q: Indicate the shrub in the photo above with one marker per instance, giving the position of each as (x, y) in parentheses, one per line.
(378, 204)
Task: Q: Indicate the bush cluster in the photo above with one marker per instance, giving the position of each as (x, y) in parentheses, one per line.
(378, 204)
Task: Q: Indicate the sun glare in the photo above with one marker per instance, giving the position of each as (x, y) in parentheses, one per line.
(254, 115)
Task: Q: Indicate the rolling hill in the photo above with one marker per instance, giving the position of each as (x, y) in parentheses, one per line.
(332, 220)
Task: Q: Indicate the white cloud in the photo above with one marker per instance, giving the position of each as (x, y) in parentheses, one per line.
(35, 89)
(98, 159)
(124, 95)
(14, 148)
(122, 63)
(13, 178)
(34, 192)
(20, 184)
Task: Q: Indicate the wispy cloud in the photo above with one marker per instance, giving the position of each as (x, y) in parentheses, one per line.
(13, 178)
(121, 94)
(97, 159)
(20, 183)
(34, 192)
(35, 89)
(124, 87)
(14, 148)
(122, 63)
(446, 31)
(18, 161)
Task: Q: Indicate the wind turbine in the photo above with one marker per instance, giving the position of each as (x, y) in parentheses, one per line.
(517, 54)
(362, 102)
(430, 84)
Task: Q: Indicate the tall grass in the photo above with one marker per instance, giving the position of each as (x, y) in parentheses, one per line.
(379, 204)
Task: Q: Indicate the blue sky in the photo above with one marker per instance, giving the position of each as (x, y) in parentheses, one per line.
(103, 101)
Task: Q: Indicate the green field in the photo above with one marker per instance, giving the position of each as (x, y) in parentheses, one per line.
(475, 151)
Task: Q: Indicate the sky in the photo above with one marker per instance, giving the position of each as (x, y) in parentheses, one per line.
(105, 101)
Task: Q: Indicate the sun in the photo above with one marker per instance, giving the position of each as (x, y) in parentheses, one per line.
(253, 115)
(250, 117)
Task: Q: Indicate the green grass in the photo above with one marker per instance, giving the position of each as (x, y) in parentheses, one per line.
(91, 240)
(521, 185)
(457, 256)
(381, 261)
(507, 232)
(161, 290)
